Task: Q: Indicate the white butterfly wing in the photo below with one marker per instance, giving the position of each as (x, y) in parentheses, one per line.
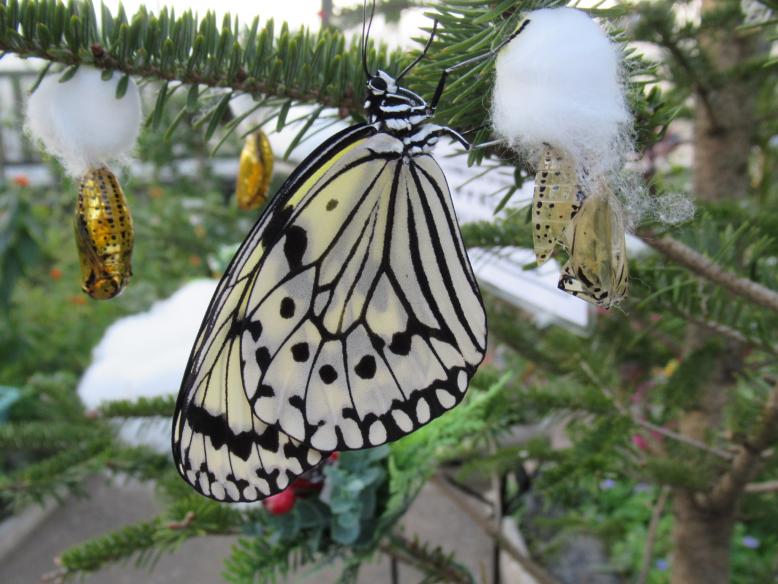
(369, 320)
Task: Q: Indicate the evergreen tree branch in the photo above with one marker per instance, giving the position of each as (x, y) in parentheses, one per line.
(726, 331)
(433, 562)
(536, 570)
(653, 526)
(666, 432)
(192, 516)
(708, 269)
(140, 408)
(748, 461)
(765, 487)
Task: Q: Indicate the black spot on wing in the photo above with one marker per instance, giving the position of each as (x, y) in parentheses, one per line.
(301, 352)
(295, 246)
(401, 343)
(328, 374)
(287, 308)
(366, 367)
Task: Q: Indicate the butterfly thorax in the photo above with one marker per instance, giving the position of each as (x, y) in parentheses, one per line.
(400, 113)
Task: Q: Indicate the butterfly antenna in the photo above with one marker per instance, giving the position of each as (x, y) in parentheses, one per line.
(366, 33)
(423, 52)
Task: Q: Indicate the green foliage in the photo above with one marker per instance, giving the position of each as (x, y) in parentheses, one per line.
(20, 239)
(142, 407)
(190, 516)
(356, 482)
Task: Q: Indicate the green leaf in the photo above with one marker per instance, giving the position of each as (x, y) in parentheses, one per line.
(283, 112)
(68, 74)
(121, 87)
(159, 106)
(41, 75)
(217, 115)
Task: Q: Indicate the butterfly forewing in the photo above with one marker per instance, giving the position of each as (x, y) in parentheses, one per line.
(370, 322)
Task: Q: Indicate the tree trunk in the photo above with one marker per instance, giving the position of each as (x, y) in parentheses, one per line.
(701, 542)
(724, 112)
(723, 134)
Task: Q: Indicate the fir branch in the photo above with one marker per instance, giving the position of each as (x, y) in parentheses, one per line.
(438, 566)
(748, 460)
(727, 331)
(653, 525)
(666, 432)
(708, 269)
(765, 487)
(535, 570)
(192, 516)
(54, 476)
(37, 436)
(142, 407)
(501, 233)
(295, 67)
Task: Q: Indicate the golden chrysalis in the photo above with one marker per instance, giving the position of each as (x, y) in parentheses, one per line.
(555, 202)
(597, 270)
(104, 234)
(254, 171)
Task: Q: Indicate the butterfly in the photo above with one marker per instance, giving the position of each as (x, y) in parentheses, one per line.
(350, 315)
(597, 270)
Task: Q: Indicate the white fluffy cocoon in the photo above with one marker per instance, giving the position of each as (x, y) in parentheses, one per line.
(81, 122)
(559, 82)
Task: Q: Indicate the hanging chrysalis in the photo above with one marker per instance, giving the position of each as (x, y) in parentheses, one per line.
(104, 234)
(555, 202)
(597, 270)
(553, 96)
(86, 126)
(254, 171)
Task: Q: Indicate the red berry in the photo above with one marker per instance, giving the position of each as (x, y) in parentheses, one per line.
(281, 503)
(303, 486)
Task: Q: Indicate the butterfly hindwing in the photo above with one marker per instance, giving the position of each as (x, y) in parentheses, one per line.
(363, 320)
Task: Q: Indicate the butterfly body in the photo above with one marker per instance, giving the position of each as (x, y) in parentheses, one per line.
(349, 316)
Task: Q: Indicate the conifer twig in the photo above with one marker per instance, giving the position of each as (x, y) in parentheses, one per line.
(748, 461)
(419, 556)
(710, 270)
(666, 432)
(765, 487)
(535, 569)
(653, 525)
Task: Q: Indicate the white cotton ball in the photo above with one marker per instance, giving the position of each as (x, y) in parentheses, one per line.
(81, 121)
(558, 82)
